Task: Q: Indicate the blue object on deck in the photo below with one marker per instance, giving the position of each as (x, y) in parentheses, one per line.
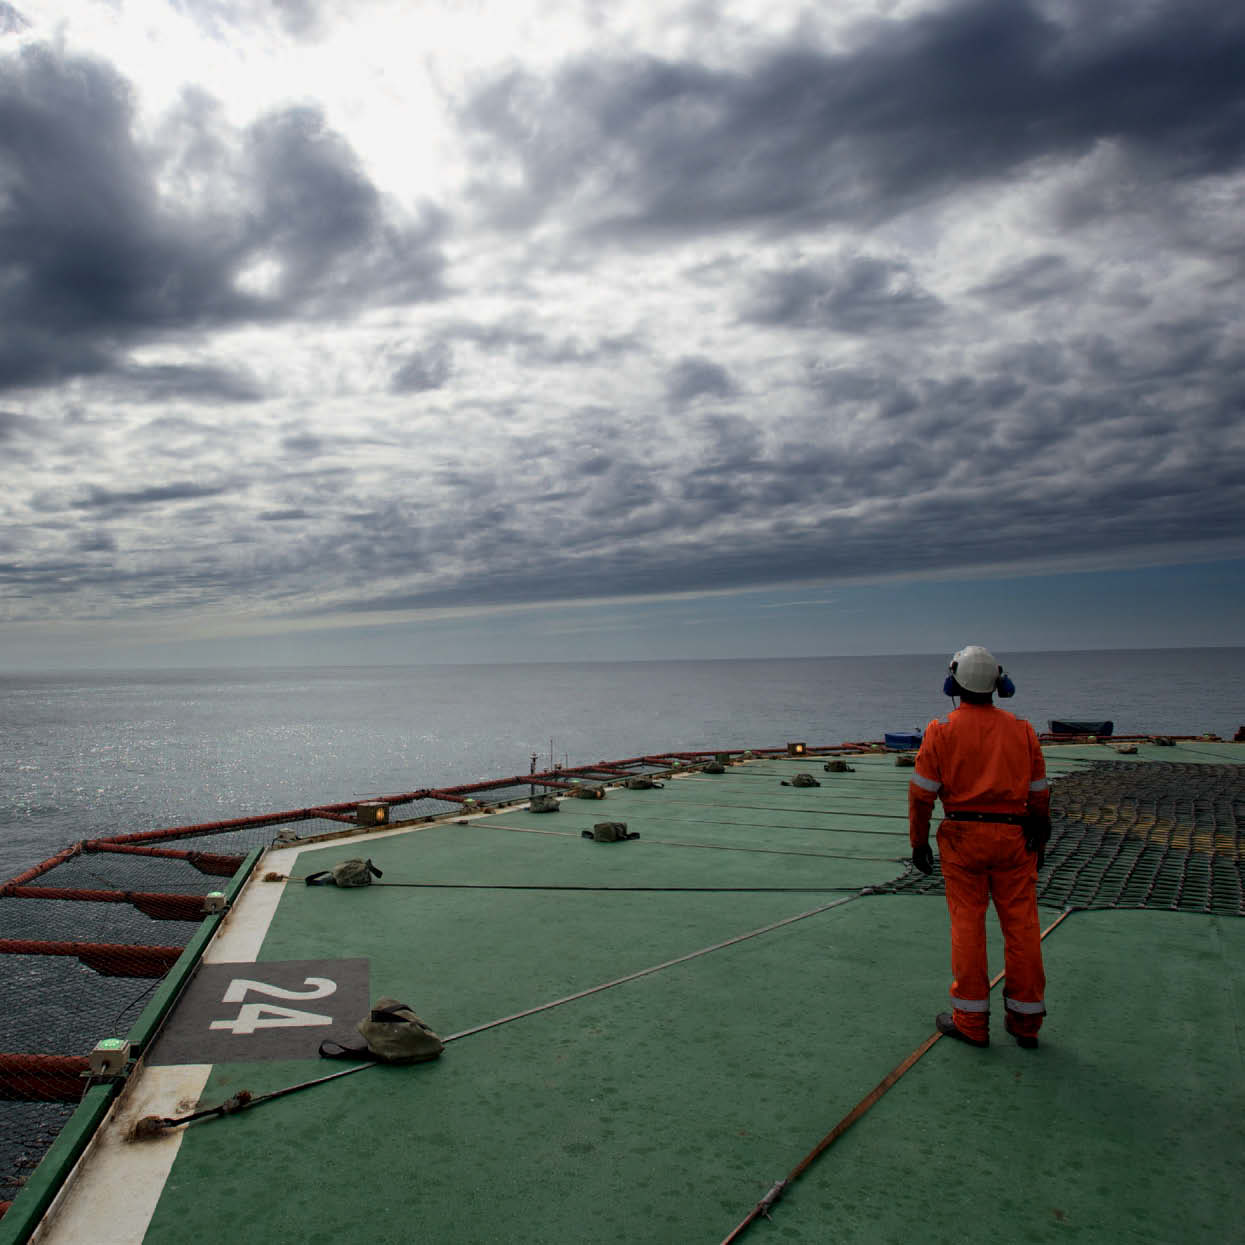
(902, 741)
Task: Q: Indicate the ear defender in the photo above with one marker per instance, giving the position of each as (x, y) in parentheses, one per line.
(948, 684)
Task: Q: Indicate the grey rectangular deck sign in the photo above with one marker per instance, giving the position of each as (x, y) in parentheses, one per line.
(278, 1010)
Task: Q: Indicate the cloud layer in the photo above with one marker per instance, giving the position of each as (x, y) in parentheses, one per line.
(921, 295)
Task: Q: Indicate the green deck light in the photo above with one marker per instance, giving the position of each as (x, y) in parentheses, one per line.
(109, 1057)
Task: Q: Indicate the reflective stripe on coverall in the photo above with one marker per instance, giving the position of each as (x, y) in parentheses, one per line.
(983, 759)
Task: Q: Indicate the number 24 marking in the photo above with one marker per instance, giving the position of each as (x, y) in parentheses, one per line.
(252, 1016)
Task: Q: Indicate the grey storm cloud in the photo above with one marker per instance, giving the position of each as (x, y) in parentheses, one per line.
(640, 537)
(914, 110)
(163, 382)
(301, 18)
(99, 259)
(302, 443)
(11, 21)
(533, 346)
(283, 516)
(222, 19)
(842, 414)
(13, 425)
(423, 369)
(1038, 362)
(696, 377)
(863, 294)
(96, 542)
(976, 471)
(1033, 280)
(122, 500)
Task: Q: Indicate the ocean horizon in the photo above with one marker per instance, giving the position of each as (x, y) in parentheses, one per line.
(92, 752)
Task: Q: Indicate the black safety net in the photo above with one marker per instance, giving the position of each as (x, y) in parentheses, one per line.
(86, 943)
(1124, 835)
(80, 957)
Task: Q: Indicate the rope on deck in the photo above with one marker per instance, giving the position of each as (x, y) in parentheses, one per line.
(763, 1207)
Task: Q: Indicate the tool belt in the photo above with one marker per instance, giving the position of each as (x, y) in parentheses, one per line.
(1008, 819)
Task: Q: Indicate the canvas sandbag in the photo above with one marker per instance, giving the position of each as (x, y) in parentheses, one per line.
(641, 782)
(838, 767)
(391, 1033)
(346, 873)
(610, 832)
(543, 804)
(802, 780)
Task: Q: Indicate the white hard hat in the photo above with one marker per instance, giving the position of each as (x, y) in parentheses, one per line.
(975, 669)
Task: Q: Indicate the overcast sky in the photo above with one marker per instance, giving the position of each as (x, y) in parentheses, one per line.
(485, 331)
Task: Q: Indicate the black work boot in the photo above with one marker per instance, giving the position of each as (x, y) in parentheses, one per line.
(1027, 1040)
(946, 1025)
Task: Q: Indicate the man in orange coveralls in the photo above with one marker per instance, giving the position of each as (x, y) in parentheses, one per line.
(987, 767)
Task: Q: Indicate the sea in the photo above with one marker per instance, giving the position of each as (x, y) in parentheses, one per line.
(89, 754)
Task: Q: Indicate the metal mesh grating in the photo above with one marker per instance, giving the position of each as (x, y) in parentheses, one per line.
(1126, 835)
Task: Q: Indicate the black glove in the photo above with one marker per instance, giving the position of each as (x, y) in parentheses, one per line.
(1037, 835)
(923, 858)
(1037, 830)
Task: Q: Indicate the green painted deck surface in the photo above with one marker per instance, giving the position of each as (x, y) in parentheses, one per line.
(663, 1109)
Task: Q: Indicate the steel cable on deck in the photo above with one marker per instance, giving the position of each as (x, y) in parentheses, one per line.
(794, 808)
(569, 886)
(752, 825)
(154, 1126)
(717, 847)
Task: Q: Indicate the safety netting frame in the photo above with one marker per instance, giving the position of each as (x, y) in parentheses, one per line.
(1161, 836)
(81, 923)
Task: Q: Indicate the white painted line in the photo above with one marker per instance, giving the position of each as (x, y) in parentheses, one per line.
(242, 932)
(113, 1189)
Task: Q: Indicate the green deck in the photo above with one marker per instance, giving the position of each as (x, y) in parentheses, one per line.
(664, 1108)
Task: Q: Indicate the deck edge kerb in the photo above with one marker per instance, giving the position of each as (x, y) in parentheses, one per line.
(55, 1172)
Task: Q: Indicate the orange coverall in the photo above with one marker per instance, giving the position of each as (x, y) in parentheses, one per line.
(983, 759)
